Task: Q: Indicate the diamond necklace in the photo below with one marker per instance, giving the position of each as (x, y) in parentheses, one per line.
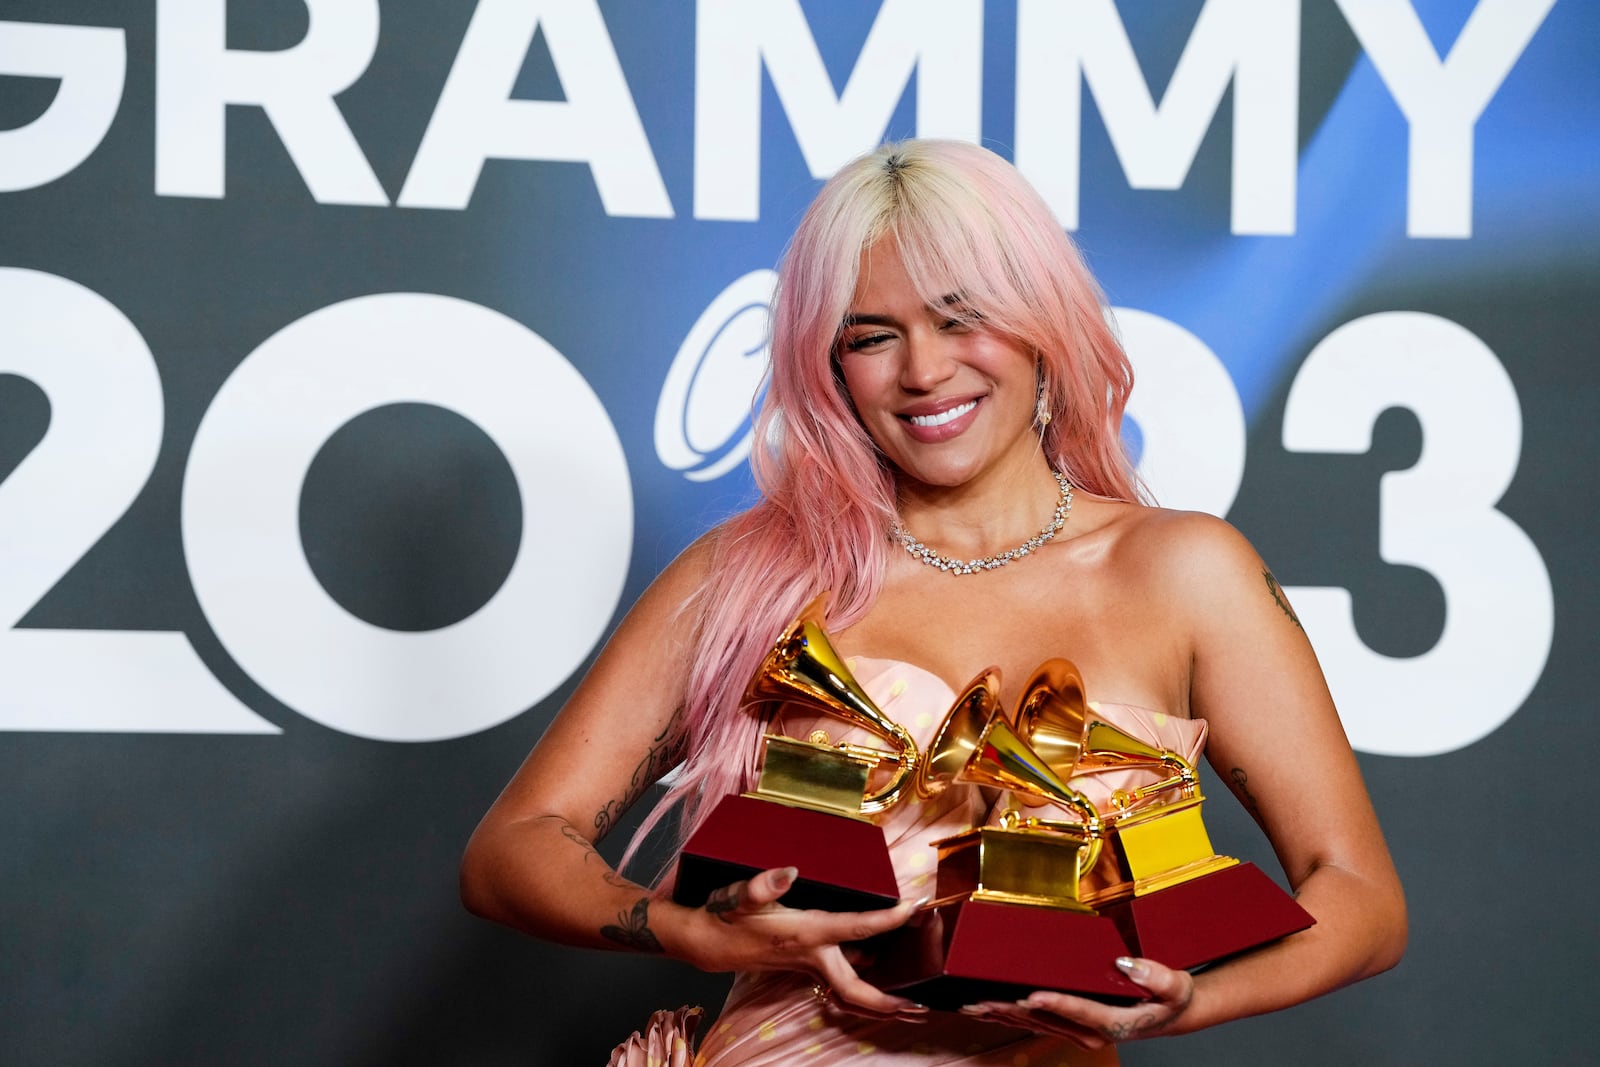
(927, 555)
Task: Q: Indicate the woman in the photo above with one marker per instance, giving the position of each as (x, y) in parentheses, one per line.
(944, 388)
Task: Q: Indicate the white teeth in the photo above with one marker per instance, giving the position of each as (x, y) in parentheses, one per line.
(943, 416)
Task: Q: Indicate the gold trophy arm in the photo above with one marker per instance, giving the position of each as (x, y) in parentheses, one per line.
(1091, 825)
(1127, 800)
(1105, 746)
(1091, 855)
(905, 765)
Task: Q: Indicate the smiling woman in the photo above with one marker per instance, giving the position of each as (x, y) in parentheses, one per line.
(940, 363)
(947, 398)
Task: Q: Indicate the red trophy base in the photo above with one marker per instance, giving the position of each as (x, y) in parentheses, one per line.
(1208, 918)
(972, 950)
(843, 862)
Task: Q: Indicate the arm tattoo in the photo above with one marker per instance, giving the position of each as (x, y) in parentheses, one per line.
(664, 753)
(723, 903)
(1123, 1031)
(1239, 786)
(570, 832)
(633, 929)
(1278, 597)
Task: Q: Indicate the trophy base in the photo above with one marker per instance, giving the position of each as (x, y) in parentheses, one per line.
(1208, 918)
(843, 861)
(970, 950)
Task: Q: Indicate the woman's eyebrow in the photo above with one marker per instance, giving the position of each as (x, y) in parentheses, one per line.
(869, 319)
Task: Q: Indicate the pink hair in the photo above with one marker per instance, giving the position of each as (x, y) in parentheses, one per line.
(964, 222)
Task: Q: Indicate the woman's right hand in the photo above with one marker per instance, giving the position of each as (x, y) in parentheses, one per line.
(742, 927)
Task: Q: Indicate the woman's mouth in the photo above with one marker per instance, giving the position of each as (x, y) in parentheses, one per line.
(934, 427)
(942, 417)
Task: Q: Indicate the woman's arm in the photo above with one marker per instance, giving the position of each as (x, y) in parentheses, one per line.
(531, 864)
(1278, 743)
(1276, 740)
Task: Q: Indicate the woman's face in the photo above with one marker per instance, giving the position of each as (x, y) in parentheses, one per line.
(945, 398)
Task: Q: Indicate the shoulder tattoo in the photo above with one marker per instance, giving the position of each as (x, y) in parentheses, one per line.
(1278, 598)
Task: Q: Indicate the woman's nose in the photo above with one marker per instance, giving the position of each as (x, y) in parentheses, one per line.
(925, 362)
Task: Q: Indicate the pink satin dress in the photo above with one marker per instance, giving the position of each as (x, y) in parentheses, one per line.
(775, 1018)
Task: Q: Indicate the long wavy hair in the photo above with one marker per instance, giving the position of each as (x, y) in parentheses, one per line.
(964, 221)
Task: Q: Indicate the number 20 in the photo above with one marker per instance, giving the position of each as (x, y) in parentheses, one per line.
(240, 509)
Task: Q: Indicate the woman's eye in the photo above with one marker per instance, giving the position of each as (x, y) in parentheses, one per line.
(866, 340)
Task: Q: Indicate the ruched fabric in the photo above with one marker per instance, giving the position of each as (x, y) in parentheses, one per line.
(666, 1041)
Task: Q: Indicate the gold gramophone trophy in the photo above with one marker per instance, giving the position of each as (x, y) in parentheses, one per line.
(810, 808)
(1007, 916)
(1156, 875)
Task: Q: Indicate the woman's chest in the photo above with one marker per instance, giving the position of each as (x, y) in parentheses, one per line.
(1126, 644)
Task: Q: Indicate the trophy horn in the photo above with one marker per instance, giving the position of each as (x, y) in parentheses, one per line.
(958, 736)
(1052, 713)
(1005, 760)
(803, 666)
(1055, 719)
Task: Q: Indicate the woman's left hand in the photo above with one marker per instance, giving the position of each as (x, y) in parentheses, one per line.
(1092, 1024)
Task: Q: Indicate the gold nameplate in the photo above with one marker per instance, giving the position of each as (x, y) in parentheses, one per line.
(1023, 866)
(808, 775)
(1168, 845)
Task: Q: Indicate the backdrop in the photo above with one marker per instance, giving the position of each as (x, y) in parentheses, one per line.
(360, 363)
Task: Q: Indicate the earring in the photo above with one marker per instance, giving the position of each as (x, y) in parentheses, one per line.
(1041, 409)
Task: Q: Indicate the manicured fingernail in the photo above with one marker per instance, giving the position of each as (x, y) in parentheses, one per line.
(1135, 969)
(923, 902)
(974, 1009)
(788, 875)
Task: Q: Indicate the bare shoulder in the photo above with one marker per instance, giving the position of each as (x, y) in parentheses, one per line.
(1174, 547)
(680, 582)
(1193, 545)
(1198, 566)
(691, 567)
(660, 626)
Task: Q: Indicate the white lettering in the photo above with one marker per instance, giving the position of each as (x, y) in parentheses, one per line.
(597, 124)
(100, 448)
(1439, 515)
(941, 40)
(1442, 101)
(703, 416)
(241, 506)
(1188, 413)
(198, 76)
(1253, 43)
(91, 63)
